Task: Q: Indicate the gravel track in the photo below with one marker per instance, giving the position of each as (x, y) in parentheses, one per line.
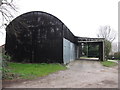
(80, 74)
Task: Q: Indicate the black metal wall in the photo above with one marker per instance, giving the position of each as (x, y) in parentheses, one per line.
(35, 37)
(67, 34)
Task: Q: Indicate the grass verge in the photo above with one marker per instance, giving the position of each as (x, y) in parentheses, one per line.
(108, 63)
(30, 71)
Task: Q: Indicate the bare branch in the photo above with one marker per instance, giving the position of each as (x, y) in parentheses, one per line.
(5, 10)
(107, 32)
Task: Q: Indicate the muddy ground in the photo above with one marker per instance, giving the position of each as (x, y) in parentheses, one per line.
(80, 74)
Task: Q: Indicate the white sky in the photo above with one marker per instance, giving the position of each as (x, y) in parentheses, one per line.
(82, 17)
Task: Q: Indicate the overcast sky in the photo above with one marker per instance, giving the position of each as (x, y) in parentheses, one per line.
(82, 17)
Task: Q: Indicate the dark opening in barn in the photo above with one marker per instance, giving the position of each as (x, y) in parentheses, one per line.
(41, 37)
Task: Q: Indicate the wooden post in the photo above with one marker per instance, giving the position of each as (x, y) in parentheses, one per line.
(101, 51)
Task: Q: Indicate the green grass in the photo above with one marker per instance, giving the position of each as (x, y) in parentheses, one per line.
(108, 63)
(28, 71)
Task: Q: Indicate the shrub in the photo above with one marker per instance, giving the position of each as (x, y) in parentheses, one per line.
(5, 70)
(117, 55)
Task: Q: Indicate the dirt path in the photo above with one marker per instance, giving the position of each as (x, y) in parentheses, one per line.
(81, 74)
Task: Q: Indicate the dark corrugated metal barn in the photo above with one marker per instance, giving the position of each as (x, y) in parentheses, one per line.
(40, 37)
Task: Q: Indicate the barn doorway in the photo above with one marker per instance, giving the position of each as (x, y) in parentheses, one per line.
(91, 49)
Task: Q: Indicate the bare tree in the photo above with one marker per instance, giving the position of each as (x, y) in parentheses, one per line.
(107, 32)
(6, 11)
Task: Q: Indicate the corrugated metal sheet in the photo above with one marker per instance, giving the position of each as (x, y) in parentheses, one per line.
(68, 51)
(35, 37)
